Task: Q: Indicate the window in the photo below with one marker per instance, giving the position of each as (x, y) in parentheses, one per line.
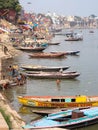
(55, 100)
(73, 100)
(62, 100)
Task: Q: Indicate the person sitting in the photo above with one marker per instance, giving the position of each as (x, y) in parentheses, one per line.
(21, 79)
(18, 79)
(10, 72)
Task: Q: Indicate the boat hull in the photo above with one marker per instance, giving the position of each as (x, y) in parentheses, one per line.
(31, 49)
(74, 39)
(47, 55)
(43, 68)
(53, 43)
(53, 75)
(73, 126)
(83, 124)
(74, 118)
(56, 102)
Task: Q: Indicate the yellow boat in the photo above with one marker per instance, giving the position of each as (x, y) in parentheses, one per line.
(59, 101)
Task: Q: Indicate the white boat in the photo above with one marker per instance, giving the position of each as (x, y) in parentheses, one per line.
(72, 36)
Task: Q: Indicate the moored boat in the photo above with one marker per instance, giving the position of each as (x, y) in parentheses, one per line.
(72, 36)
(47, 55)
(72, 52)
(43, 68)
(46, 112)
(59, 101)
(69, 52)
(73, 118)
(31, 48)
(53, 43)
(53, 75)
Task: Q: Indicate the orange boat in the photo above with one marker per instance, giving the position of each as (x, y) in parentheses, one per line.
(47, 55)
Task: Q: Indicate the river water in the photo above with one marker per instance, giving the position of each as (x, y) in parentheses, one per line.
(85, 63)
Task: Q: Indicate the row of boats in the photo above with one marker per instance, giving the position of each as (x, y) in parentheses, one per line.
(49, 72)
(71, 119)
(74, 107)
(53, 75)
(53, 72)
(46, 71)
(40, 54)
(76, 111)
(37, 46)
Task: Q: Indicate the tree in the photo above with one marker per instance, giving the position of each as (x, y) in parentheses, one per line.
(10, 4)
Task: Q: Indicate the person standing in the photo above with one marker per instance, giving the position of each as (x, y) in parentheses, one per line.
(10, 72)
(5, 49)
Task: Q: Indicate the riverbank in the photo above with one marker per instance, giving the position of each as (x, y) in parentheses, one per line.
(16, 121)
(5, 61)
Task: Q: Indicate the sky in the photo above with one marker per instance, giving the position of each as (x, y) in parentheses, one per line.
(62, 7)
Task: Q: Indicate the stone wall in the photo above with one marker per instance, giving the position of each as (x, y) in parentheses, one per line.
(5, 62)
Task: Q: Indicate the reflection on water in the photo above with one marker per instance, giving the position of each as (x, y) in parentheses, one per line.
(58, 87)
(28, 112)
(86, 64)
(92, 127)
(25, 110)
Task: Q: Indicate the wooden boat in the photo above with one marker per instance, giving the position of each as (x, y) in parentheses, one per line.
(69, 52)
(47, 55)
(31, 48)
(46, 112)
(53, 75)
(53, 43)
(61, 115)
(59, 101)
(72, 52)
(43, 68)
(70, 119)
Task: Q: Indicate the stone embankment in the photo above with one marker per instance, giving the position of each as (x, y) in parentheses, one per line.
(15, 119)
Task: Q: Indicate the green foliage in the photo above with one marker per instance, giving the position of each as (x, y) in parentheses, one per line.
(7, 118)
(10, 4)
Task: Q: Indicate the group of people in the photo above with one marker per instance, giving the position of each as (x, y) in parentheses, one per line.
(15, 76)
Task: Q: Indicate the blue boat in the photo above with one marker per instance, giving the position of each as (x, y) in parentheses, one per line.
(72, 118)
